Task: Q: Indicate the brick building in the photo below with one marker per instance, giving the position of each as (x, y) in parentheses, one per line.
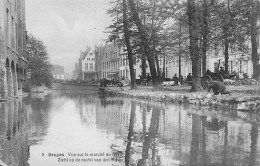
(112, 63)
(12, 47)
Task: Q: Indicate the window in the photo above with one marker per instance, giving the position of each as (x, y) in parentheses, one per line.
(91, 66)
(16, 36)
(86, 66)
(258, 40)
(93, 59)
(12, 33)
(123, 60)
(8, 26)
(106, 55)
(90, 54)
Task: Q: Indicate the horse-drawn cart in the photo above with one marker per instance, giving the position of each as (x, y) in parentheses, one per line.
(217, 76)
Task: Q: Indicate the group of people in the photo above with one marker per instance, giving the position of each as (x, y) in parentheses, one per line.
(182, 80)
(177, 80)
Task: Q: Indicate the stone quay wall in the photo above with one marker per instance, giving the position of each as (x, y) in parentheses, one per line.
(245, 103)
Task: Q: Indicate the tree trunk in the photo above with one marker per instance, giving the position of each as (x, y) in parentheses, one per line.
(204, 37)
(148, 51)
(164, 72)
(153, 36)
(226, 55)
(179, 65)
(143, 66)
(159, 73)
(128, 46)
(194, 50)
(254, 55)
(180, 51)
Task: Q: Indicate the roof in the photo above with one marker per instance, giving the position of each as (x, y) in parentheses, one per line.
(85, 53)
(57, 70)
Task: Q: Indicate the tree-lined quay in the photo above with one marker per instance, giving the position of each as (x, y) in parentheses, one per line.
(192, 31)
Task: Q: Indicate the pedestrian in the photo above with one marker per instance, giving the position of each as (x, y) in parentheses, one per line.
(148, 79)
(222, 71)
(175, 79)
(189, 79)
(181, 79)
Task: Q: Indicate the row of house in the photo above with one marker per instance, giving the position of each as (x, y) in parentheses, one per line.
(110, 62)
(107, 61)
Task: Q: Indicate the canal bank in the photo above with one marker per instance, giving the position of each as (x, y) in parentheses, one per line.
(245, 98)
(81, 121)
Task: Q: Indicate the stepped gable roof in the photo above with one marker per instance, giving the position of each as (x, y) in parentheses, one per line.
(85, 53)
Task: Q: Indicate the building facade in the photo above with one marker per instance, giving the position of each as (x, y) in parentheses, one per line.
(58, 72)
(109, 61)
(12, 47)
(87, 70)
(112, 63)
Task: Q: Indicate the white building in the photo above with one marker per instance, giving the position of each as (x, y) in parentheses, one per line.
(58, 72)
(87, 65)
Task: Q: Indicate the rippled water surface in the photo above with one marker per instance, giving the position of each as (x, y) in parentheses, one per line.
(75, 129)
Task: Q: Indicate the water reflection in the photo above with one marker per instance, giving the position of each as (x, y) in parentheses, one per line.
(133, 132)
(185, 138)
(14, 147)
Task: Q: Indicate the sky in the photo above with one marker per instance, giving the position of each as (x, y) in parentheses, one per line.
(67, 27)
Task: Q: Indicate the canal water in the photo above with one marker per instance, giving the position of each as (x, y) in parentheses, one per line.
(73, 128)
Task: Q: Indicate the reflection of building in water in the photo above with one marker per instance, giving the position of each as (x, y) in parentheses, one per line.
(14, 149)
(38, 115)
(113, 116)
(87, 111)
